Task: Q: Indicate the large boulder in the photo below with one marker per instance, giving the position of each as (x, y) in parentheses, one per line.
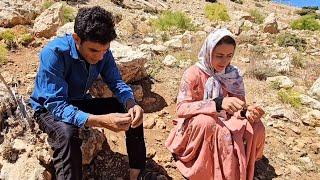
(48, 22)
(281, 81)
(130, 62)
(17, 12)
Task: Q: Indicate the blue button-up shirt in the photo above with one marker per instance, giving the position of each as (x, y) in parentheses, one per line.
(63, 76)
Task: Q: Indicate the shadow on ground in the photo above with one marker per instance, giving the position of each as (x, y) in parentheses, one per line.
(264, 170)
(152, 102)
(109, 165)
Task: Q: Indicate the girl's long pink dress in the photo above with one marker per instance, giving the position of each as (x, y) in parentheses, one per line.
(209, 144)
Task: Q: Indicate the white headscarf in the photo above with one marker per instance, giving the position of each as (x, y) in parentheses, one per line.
(229, 78)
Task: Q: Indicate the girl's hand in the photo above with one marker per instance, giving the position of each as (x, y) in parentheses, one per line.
(254, 113)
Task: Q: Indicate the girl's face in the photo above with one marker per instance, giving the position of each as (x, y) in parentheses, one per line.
(221, 56)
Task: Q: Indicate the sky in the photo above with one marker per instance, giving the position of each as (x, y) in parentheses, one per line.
(300, 3)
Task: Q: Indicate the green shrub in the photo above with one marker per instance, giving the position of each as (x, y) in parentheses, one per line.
(311, 7)
(68, 14)
(26, 39)
(307, 22)
(216, 12)
(258, 17)
(297, 61)
(3, 54)
(289, 96)
(303, 12)
(287, 39)
(247, 39)
(261, 72)
(9, 38)
(170, 20)
(47, 4)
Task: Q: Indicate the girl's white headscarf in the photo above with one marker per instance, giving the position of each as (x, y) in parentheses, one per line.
(229, 78)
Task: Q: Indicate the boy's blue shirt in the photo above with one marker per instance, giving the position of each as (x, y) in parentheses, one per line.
(63, 76)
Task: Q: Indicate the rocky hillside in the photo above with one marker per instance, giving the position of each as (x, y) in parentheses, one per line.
(157, 40)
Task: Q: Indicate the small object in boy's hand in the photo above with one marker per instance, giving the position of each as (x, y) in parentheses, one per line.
(243, 112)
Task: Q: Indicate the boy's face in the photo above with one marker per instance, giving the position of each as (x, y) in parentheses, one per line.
(92, 52)
(221, 56)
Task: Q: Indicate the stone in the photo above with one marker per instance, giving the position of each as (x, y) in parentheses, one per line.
(92, 140)
(125, 29)
(175, 44)
(245, 60)
(67, 28)
(130, 63)
(148, 40)
(160, 124)
(281, 65)
(312, 118)
(308, 101)
(151, 152)
(23, 169)
(48, 22)
(283, 81)
(315, 89)
(270, 24)
(169, 60)
(17, 12)
(149, 122)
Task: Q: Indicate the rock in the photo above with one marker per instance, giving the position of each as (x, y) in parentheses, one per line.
(92, 143)
(282, 81)
(200, 34)
(295, 129)
(20, 145)
(24, 168)
(151, 152)
(279, 112)
(44, 156)
(157, 49)
(245, 60)
(235, 26)
(294, 169)
(175, 44)
(169, 60)
(149, 122)
(318, 130)
(308, 101)
(100, 89)
(17, 12)
(312, 118)
(160, 124)
(48, 22)
(130, 62)
(315, 89)
(143, 28)
(281, 65)
(125, 29)
(67, 28)
(270, 24)
(148, 40)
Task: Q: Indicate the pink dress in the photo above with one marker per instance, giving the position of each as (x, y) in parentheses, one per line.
(211, 145)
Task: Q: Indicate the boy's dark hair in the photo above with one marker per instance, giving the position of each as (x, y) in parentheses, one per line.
(95, 24)
(227, 40)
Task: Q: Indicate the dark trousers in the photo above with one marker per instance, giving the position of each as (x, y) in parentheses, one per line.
(65, 141)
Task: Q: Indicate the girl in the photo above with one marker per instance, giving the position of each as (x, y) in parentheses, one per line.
(216, 135)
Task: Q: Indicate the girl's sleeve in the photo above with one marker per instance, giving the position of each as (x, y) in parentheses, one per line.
(188, 104)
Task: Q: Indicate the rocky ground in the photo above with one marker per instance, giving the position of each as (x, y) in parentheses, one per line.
(152, 63)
